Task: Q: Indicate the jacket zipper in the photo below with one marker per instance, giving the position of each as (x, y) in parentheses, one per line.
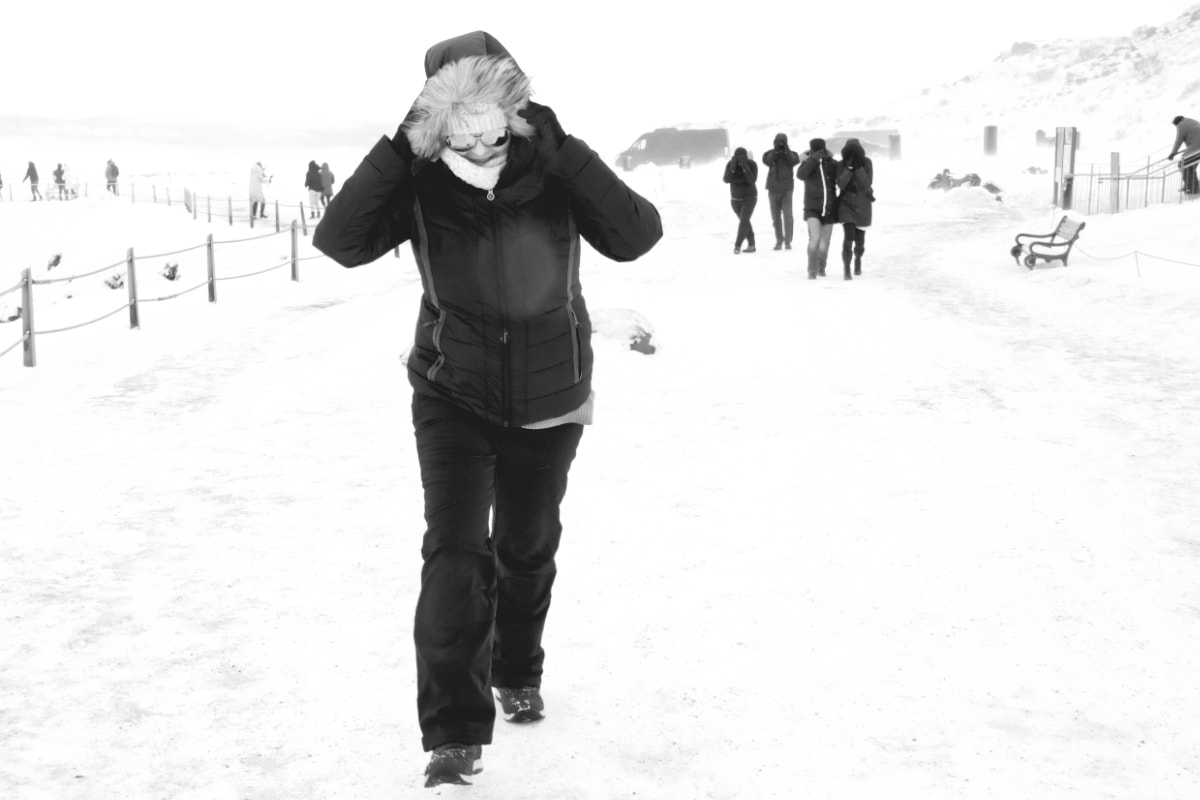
(505, 379)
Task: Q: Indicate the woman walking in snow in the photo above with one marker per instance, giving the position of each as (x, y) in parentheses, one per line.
(326, 184)
(312, 182)
(855, 175)
(740, 173)
(31, 175)
(494, 196)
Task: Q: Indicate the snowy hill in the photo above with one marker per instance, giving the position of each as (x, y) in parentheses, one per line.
(1121, 92)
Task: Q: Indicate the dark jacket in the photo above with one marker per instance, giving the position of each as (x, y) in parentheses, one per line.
(312, 179)
(819, 173)
(855, 177)
(502, 329)
(741, 174)
(30, 174)
(58, 174)
(111, 172)
(780, 161)
(326, 179)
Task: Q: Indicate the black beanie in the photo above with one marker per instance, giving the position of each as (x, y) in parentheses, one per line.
(816, 144)
(1177, 120)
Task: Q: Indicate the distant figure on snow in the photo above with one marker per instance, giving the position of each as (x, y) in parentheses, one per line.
(742, 174)
(780, 161)
(326, 184)
(312, 182)
(855, 177)
(1187, 136)
(71, 182)
(258, 201)
(59, 182)
(818, 170)
(31, 175)
(110, 177)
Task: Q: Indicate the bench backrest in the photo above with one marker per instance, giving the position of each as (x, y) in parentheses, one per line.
(1067, 229)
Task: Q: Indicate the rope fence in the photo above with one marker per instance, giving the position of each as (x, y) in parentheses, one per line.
(128, 278)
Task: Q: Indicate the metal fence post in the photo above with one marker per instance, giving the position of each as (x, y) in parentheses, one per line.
(208, 206)
(168, 188)
(131, 282)
(295, 253)
(154, 193)
(27, 317)
(212, 272)
(1114, 189)
(277, 216)
(303, 221)
(230, 210)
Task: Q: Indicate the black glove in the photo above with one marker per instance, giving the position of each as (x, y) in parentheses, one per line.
(1171, 157)
(400, 141)
(549, 135)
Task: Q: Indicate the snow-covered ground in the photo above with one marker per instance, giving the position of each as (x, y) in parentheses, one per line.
(928, 533)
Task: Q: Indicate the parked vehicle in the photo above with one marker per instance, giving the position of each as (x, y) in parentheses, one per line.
(676, 146)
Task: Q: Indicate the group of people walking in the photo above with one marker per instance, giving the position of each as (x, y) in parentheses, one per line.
(65, 183)
(318, 181)
(835, 192)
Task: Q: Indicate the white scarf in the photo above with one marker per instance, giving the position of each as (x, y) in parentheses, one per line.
(471, 173)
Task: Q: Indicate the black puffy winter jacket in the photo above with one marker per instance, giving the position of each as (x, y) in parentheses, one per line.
(503, 329)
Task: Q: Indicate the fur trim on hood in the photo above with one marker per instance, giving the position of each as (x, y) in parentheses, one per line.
(462, 85)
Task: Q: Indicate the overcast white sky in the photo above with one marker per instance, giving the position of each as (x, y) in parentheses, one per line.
(339, 62)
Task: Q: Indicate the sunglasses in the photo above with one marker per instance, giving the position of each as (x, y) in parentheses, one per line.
(463, 142)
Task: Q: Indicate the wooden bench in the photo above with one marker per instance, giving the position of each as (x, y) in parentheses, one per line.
(1055, 246)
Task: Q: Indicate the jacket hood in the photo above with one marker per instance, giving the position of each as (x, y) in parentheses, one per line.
(463, 84)
(853, 149)
(781, 138)
(741, 151)
(476, 43)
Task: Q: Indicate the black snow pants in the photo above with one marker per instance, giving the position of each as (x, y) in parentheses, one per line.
(492, 497)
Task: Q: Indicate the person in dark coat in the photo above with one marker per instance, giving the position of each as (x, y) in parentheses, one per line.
(1187, 139)
(741, 173)
(780, 161)
(818, 170)
(31, 175)
(855, 179)
(312, 182)
(326, 184)
(494, 197)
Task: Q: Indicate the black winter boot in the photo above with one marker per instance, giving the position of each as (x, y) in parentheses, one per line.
(846, 265)
(812, 267)
(858, 265)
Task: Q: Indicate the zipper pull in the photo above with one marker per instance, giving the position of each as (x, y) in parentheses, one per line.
(504, 337)
(491, 195)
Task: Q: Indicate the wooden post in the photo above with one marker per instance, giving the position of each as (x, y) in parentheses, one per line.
(989, 140)
(208, 206)
(230, 210)
(131, 283)
(27, 317)
(212, 272)
(303, 221)
(154, 193)
(132, 193)
(168, 196)
(295, 253)
(277, 216)
(194, 209)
